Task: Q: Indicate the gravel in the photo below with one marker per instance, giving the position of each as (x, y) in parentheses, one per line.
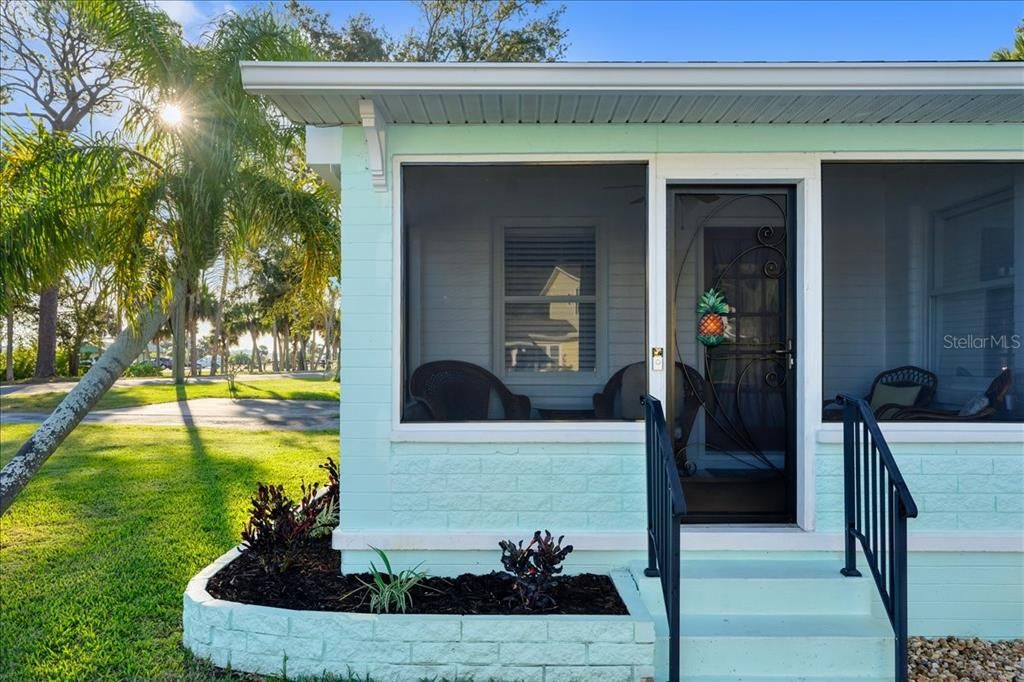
(950, 659)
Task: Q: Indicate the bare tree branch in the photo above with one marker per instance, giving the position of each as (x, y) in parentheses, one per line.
(53, 60)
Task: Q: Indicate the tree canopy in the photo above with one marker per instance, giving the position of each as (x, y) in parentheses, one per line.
(448, 31)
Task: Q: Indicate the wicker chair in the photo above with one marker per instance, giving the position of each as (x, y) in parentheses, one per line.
(995, 393)
(906, 376)
(452, 390)
(611, 404)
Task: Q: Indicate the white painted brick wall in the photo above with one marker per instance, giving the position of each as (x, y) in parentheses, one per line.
(412, 647)
(958, 487)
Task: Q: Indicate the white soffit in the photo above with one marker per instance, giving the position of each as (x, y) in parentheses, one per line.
(328, 93)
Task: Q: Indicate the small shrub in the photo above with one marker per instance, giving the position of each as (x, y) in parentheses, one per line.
(534, 567)
(23, 361)
(325, 521)
(276, 530)
(390, 591)
(142, 369)
(331, 468)
(278, 526)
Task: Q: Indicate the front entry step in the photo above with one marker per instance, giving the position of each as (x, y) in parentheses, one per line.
(767, 587)
(788, 646)
(764, 620)
(787, 678)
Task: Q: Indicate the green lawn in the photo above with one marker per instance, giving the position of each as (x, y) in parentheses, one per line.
(147, 394)
(96, 552)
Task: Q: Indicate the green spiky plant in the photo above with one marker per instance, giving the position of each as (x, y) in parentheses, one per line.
(711, 326)
(390, 591)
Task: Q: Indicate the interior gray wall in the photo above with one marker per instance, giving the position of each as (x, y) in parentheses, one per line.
(450, 213)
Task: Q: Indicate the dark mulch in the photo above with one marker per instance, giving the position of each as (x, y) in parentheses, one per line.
(315, 584)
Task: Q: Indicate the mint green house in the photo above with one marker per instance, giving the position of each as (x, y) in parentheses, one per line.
(525, 250)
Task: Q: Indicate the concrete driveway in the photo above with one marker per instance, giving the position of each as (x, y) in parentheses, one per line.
(211, 412)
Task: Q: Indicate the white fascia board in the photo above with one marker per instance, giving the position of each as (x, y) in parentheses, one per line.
(370, 78)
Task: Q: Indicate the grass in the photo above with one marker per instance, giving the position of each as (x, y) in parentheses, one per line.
(310, 388)
(96, 552)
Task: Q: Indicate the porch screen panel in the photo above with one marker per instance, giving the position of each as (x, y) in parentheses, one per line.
(923, 270)
(523, 291)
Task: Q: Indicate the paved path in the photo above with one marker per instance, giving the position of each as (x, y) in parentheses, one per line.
(54, 386)
(212, 412)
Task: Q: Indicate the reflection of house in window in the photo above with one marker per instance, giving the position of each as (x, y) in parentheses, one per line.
(550, 321)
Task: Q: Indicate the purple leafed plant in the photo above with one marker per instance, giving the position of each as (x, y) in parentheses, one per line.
(277, 528)
(534, 568)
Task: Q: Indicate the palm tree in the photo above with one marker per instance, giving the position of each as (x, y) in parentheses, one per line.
(229, 156)
(245, 317)
(1015, 53)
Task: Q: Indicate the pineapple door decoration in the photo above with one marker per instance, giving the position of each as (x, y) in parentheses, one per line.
(711, 326)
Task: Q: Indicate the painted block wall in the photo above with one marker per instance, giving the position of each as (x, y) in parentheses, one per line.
(959, 487)
(585, 486)
(490, 486)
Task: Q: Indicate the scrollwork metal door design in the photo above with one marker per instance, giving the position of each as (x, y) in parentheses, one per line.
(740, 243)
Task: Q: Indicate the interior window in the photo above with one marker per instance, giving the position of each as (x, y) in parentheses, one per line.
(524, 292)
(922, 289)
(550, 300)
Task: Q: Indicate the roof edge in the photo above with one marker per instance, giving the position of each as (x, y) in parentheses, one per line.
(370, 77)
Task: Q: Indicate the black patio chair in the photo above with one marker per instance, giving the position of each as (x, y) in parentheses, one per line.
(882, 400)
(452, 390)
(995, 401)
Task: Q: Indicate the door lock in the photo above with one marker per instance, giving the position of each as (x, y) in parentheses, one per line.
(788, 352)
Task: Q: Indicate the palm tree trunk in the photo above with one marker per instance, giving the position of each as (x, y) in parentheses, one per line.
(76, 404)
(46, 348)
(193, 321)
(273, 345)
(218, 321)
(74, 358)
(255, 359)
(178, 333)
(9, 349)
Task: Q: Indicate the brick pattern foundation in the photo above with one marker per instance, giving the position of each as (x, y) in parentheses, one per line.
(388, 648)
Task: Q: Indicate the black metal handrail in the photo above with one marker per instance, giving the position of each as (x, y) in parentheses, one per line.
(665, 509)
(877, 506)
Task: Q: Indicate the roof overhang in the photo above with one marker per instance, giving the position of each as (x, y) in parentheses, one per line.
(329, 93)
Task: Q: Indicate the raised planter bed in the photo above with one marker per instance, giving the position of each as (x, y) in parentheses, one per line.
(549, 648)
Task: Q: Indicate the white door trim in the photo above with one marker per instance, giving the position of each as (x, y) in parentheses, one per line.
(804, 172)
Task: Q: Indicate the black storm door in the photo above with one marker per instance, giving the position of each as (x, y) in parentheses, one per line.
(733, 392)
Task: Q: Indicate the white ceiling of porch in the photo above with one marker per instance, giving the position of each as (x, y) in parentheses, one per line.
(705, 108)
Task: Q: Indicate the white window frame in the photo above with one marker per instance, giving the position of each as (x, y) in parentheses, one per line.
(532, 431)
(600, 301)
(914, 432)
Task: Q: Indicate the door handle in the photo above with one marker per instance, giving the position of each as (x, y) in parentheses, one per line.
(788, 352)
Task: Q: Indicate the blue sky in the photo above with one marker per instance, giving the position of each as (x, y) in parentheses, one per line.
(670, 30)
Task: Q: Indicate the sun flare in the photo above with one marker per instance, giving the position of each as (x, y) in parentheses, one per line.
(171, 114)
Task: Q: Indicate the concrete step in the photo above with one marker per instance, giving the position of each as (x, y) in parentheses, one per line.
(785, 678)
(772, 587)
(788, 646)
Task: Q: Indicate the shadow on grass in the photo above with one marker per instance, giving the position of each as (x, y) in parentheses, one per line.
(213, 493)
(100, 548)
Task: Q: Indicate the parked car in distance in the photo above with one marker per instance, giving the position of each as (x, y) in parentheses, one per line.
(163, 363)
